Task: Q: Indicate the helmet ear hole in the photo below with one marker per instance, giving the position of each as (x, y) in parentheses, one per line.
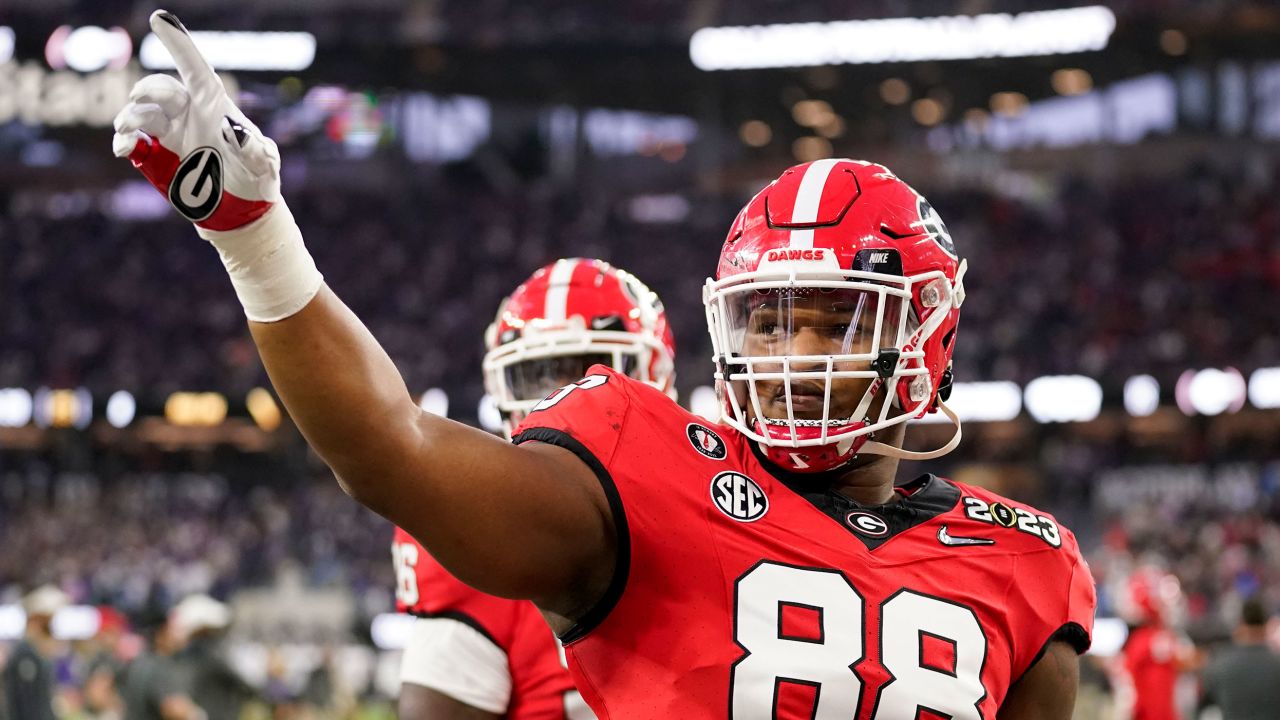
(944, 385)
(946, 342)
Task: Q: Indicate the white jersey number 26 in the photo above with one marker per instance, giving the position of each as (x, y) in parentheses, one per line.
(827, 661)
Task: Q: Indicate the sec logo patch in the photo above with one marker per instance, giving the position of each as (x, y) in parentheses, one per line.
(739, 497)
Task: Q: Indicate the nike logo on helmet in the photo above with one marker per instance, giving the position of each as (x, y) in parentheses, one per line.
(607, 322)
(947, 538)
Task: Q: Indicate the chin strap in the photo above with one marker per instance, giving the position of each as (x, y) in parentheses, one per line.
(872, 447)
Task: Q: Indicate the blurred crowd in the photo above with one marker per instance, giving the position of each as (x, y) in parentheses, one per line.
(163, 548)
(173, 534)
(1220, 557)
(1141, 276)
(229, 525)
(1109, 280)
(180, 668)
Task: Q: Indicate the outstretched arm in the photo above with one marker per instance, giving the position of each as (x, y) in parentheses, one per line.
(1048, 690)
(423, 703)
(528, 522)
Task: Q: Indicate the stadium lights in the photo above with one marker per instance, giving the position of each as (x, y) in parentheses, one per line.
(63, 408)
(73, 622)
(1063, 398)
(1141, 395)
(659, 209)
(76, 622)
(121, 408)
(489, 415)
(1264, 388)
(1211, 391)
(191, 409)
(88, 48)
(15, 407)
(278, 51)
(996, 401)
(704, 402)
(263, 409)
(7, 40)
(435, 401)
(755, 133)
(963, 37)
(390, 630)
(13, 622)
(1109, 634)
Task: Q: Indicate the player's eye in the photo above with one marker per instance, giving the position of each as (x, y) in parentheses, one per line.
(764, 322)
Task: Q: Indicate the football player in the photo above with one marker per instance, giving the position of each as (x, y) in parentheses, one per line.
(473, 655)
(767, 567)
(1155, 653)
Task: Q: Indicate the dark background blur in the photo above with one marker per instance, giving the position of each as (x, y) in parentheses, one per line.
(1117, 208)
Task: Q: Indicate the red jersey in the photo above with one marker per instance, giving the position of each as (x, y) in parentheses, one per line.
(1149, 662)
(541, 687)
(745, 592)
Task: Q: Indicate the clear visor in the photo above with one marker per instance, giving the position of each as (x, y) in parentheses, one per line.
(813, 322)
(826, 341)
(532, 380)
(809, 356)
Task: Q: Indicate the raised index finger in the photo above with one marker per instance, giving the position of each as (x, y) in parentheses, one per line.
(195, 71)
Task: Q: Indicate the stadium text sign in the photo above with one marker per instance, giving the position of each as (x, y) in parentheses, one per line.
(35, 95)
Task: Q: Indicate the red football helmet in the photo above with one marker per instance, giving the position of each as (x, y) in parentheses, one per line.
(833, 314)
(1151, 595)
(566, 317)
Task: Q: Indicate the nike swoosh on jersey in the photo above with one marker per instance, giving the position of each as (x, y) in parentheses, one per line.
(947, 538)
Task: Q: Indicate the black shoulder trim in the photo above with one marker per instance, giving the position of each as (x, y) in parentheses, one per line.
(622, 565)
(1075, 636)
(1072, 634)
(461, 617)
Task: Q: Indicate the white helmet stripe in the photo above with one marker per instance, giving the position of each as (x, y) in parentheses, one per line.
(808, 199)
(558, 290)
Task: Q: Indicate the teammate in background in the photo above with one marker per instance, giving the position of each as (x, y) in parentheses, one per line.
(28, 677)
(473, 655)
(154, 685)
(1154, 654)
(767, 567)
(1243, 681)
(105, 665)
(208, 678)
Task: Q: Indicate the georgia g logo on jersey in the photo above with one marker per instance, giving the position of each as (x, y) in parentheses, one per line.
(196, 188)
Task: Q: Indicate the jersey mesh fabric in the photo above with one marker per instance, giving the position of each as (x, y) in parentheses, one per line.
(720, 609)
(540, 684)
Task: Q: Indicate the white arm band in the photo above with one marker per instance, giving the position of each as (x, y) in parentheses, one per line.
(270, 268)
(453, 658)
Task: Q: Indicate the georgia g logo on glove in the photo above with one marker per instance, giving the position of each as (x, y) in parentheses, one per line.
(218, 169)
(192, 142)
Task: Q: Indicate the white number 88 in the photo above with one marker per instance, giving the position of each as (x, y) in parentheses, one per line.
(828, 661)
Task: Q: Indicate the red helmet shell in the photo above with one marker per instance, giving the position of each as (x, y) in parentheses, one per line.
(859, 206)
(575, 307)
(585, 291)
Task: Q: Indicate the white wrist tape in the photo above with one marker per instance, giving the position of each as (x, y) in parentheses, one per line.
(270, 268)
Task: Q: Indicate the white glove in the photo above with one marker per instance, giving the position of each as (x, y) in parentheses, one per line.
(229, 173)
(220, 172)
